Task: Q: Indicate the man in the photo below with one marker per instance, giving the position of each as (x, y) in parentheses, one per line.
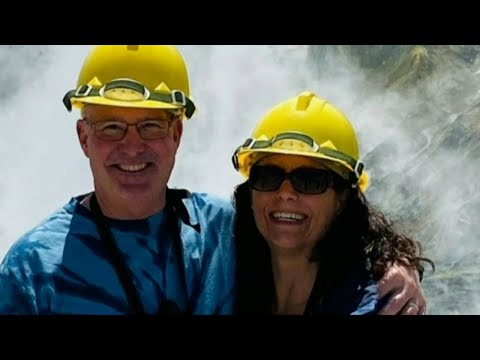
(134, 245)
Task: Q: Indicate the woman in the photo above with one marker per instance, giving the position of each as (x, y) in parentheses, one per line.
(308, 242)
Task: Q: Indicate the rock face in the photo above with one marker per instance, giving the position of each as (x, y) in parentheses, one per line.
(428, 181)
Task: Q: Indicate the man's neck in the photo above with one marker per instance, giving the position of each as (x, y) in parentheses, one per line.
(118, 211)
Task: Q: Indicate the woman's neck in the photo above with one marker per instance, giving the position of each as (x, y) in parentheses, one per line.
(294, 277)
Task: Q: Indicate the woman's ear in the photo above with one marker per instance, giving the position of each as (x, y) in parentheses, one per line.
(341, 201)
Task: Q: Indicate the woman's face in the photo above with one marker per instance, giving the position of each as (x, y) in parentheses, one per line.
(291, 221)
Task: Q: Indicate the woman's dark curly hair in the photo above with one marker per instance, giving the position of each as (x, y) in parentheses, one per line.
(360, 235)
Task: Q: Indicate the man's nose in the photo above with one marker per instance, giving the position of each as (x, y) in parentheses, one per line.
(132, 142)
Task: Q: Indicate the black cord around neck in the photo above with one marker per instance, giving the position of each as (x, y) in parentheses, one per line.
(124, 274)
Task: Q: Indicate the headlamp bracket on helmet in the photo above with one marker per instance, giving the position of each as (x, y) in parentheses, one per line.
(251, 143)
(83, 90)
(183, 98)
(357, 171)
(125, 84)
(175, 97)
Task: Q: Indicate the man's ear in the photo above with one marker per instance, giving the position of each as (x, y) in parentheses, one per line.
(83, 136)
(177, 131)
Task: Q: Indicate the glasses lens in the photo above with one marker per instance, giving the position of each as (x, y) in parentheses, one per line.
(153, 129)
(310, 180)
(110, 130)
(266, 178)
(148, 129)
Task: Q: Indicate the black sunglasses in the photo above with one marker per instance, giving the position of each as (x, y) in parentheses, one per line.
(304, 180)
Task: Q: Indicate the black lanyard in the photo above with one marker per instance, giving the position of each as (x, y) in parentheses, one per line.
(123, 272)
(175, 210)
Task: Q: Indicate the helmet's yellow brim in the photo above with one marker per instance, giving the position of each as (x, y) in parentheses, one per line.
(248, 158)
(143, 104)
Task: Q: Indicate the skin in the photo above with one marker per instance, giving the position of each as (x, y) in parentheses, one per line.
(285, 236)
(131, 175)
(403, 286)
(291, 241)
(131, 196)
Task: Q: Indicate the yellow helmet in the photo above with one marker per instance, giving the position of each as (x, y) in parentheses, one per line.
(142, 76)
(309, 126)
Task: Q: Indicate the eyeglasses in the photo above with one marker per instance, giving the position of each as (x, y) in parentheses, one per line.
(311, 181)
(111, 130)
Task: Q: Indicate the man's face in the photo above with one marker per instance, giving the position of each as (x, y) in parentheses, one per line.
(130, 174)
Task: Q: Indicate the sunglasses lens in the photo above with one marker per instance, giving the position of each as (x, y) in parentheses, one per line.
(266, 178)
(304, 180)
(311, 181)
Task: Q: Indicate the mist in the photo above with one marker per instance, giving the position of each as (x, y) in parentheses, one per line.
(233, 86)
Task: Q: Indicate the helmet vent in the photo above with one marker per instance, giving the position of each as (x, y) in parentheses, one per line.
(304, 99)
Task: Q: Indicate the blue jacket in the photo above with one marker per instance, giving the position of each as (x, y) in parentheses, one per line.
(356, 295)
(62, 267)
